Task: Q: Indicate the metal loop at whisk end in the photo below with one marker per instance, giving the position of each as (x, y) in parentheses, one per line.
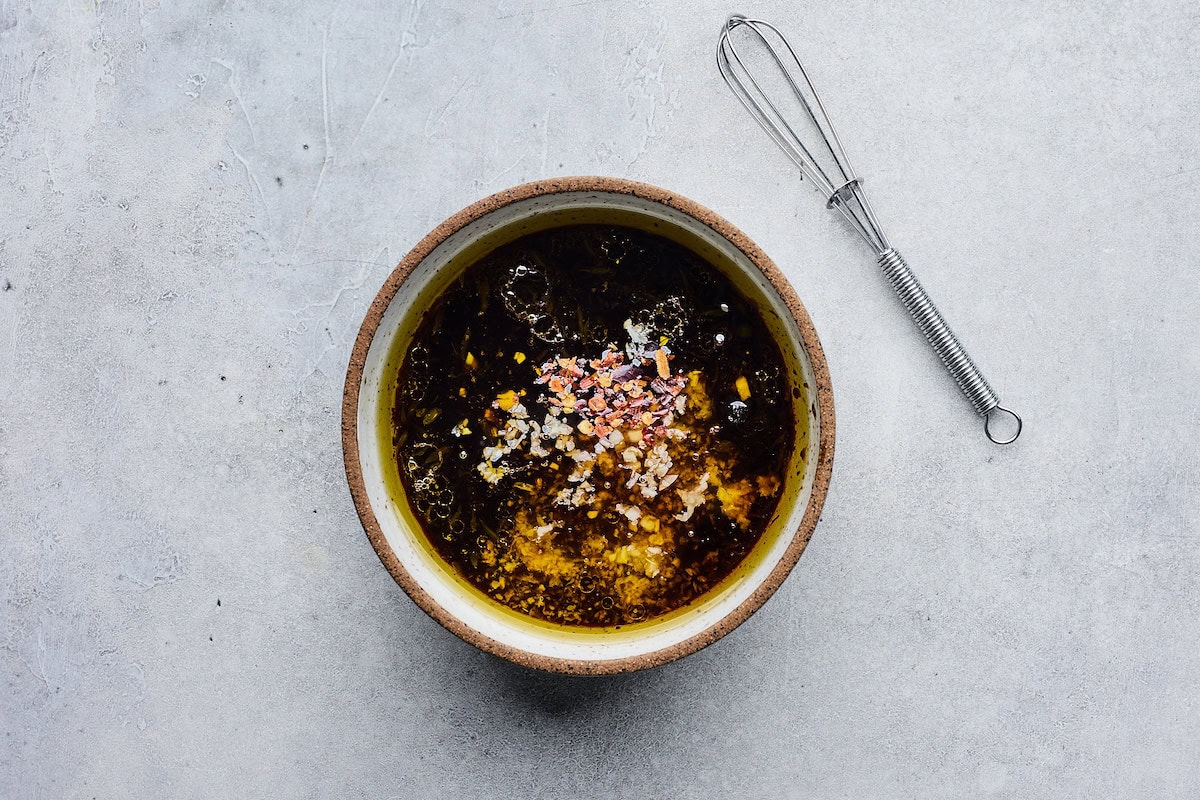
(1001, 411)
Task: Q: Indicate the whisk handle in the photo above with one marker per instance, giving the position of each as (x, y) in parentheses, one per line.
(920, 307)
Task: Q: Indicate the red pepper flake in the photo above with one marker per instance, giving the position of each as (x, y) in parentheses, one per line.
(623, 372)
(660, 361)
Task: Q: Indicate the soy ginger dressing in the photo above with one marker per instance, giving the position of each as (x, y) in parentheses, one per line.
(593, 425)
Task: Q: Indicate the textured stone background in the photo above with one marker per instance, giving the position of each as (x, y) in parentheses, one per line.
(199, 200)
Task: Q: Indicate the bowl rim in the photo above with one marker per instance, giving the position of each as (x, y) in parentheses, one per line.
(823, 396)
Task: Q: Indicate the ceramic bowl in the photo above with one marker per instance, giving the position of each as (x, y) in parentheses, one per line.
(379, 496)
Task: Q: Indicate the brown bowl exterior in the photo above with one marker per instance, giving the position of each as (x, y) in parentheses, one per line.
(823, 398)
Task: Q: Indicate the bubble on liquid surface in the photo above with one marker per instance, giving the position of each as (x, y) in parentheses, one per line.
(526, 292)
(415, 391)
(665, 318)
(545, 328)
(737, 412)
(418, 356)
(615, 247)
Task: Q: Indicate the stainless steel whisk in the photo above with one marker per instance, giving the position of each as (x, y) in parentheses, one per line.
(843, 191)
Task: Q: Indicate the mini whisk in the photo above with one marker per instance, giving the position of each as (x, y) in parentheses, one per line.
(836, 180)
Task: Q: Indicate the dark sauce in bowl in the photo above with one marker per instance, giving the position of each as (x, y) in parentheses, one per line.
(593, 425)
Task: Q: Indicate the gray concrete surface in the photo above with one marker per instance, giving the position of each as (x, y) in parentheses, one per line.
(199, 200)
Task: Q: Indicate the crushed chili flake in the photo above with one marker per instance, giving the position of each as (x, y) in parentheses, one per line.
(631, 405)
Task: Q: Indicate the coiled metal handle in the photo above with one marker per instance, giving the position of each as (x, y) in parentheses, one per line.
(960, 366)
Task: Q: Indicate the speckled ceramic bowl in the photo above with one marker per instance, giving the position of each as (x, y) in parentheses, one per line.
(379, 496)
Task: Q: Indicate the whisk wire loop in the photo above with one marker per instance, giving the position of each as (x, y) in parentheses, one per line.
(829, 168)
